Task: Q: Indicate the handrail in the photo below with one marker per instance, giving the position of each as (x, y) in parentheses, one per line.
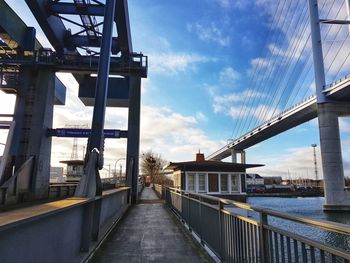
(234, 236)
(326, 225)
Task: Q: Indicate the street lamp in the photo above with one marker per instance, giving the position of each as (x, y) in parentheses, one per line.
(115, 164)
(314, 145)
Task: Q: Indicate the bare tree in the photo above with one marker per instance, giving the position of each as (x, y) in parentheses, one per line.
(152, 165)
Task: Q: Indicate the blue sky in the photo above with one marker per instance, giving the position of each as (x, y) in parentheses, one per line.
(201, 58)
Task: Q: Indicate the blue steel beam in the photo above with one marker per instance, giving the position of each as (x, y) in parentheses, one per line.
(57, 33)
(24, 36)
(78, 65)
(123, 26)
(98, 118)
(12, 23)
(70, 8)
(84, 41)
(52, 26)
(118, 91)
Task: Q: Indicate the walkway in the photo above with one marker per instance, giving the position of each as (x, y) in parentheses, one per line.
(150, 233)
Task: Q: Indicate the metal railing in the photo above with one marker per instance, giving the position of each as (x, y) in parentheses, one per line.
(159, 189)
(134, 62)
(238, 232)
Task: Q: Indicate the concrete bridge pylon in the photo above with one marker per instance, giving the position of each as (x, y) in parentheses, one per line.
(336, 197)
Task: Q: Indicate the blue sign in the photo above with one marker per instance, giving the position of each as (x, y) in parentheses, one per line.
(82, 133)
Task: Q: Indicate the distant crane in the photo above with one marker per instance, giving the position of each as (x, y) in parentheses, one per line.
(74, 154)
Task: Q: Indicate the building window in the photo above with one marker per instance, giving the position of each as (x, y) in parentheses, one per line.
(213, 180)
(224, 181)
(201, 183)
(190, 182)
(234, 183)
(177, 180)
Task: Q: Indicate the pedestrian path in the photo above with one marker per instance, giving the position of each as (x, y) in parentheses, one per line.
(149, 232)
(148, 196)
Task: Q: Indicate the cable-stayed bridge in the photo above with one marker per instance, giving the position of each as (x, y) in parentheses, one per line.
(288, 86)
(302, 112)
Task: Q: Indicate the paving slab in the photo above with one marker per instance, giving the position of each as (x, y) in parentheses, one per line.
(150, 233)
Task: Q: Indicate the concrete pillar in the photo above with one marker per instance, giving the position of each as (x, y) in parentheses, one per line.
(19, 117)
(22, 116)
(133, 145)
(39, 145)
(234, 156)
(243, 161)
(335, 196)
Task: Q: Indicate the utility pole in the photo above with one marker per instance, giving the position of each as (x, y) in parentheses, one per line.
(314, 145)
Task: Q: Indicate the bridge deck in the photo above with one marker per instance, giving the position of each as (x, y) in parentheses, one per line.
(150, 233)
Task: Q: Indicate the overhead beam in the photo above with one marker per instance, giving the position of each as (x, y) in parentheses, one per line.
(26, 40)
(84, 41)
(117, 96)
(71, 8)
(123, 27)
(52, 26)
(12, 23)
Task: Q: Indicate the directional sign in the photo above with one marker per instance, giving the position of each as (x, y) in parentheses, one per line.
(85, 133)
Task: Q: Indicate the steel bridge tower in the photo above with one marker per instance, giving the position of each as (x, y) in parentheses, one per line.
(28, 70)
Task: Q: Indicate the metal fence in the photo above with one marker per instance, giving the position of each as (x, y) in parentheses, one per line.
(159, 189)
(238, 232)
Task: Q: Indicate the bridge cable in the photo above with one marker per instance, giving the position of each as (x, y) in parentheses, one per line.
(291, 91)
(259, 66)
(267, 80)
(245, 106)
(286, 91)
(295, 80)
(279, 76)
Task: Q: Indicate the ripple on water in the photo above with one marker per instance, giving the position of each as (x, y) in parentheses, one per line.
(310, 207)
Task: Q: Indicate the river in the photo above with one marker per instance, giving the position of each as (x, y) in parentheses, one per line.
(310, 207)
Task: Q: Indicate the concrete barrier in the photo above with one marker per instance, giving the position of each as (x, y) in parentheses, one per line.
(68, 230)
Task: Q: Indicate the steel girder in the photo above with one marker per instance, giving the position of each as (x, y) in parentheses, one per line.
(48, 14)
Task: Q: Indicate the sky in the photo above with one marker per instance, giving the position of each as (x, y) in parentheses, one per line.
(202, 55)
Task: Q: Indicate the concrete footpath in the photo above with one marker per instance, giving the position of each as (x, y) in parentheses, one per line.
(149, 232)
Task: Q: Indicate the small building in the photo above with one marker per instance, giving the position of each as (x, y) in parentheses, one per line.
(255, 183)
(254, 180)
(74, 170)
(216, 178)
(272, 180)
(56, 175)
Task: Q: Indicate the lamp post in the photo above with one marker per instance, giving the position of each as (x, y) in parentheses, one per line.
(115, 164)
(314, 145)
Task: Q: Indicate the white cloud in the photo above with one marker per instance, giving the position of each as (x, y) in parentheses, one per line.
(299, 162)
(174, 135)
(231, 104)
(226, 4)
(200, 116)
(174, 63)
(210, 33)
(228, 76)
(344, 124)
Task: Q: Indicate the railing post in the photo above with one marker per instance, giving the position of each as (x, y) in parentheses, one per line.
(189, 212)
(264, 239)
(222, 242)
(200, 221)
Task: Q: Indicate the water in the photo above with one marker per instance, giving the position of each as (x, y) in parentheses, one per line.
(310, 207)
